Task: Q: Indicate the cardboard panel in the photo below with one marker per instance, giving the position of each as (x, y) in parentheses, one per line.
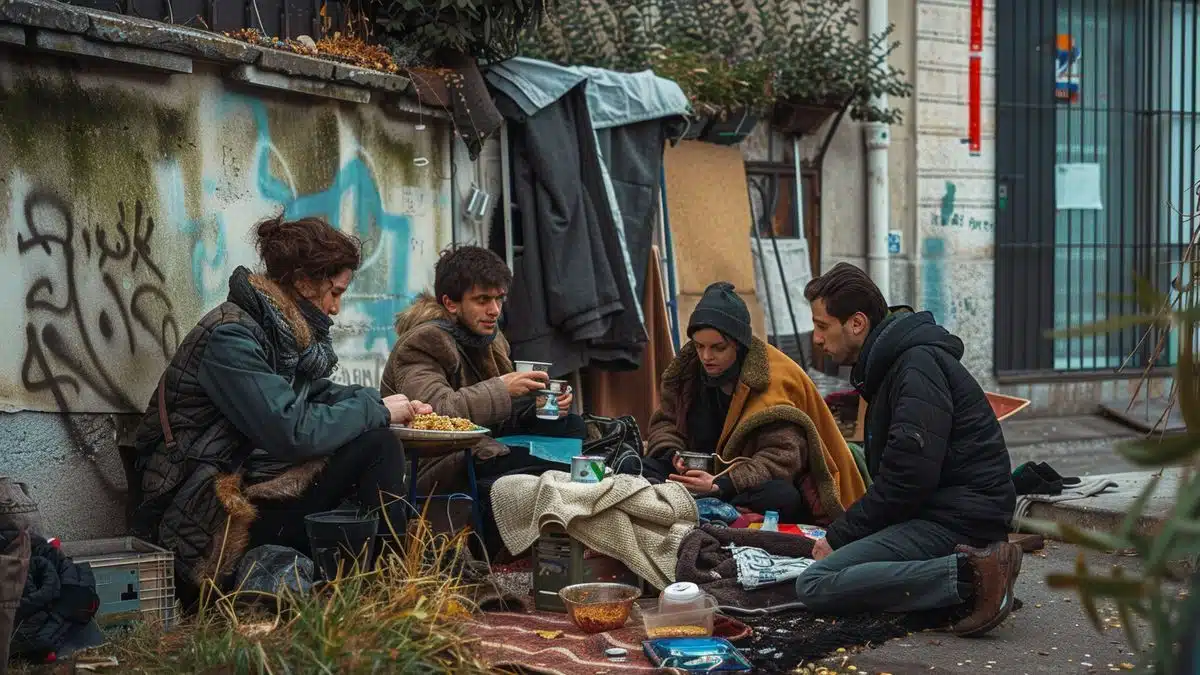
(709, 206)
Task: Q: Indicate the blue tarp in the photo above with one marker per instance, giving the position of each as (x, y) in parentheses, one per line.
(551, 449)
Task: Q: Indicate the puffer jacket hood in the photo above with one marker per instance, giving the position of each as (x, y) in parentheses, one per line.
(902, 330)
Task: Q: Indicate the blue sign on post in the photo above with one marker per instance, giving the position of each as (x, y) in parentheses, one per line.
(894, 242)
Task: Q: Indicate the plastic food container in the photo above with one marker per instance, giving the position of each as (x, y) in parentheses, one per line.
(596, 607)
(694, 622)
(681, 597)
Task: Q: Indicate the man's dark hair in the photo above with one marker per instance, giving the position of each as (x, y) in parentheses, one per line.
(846, 291)
(461, 268)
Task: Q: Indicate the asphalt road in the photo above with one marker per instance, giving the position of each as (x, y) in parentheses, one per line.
(1050, 634)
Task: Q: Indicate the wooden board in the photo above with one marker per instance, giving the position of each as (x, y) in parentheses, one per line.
(709, 207)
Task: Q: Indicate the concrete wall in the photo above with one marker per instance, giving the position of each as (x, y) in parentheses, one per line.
(953, 244)
(128, 196)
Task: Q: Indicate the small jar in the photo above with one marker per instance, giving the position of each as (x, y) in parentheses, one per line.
(683, 596)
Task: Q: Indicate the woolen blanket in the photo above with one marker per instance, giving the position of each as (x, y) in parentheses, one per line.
(706, 560)
(624, 517)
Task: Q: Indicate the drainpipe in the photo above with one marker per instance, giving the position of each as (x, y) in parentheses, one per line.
(878, 138)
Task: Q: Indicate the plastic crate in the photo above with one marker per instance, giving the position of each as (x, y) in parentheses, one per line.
(135, 580)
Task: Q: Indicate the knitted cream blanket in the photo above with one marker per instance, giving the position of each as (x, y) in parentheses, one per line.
(624, 517)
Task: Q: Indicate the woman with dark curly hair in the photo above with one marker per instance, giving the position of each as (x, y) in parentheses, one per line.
(246, 434)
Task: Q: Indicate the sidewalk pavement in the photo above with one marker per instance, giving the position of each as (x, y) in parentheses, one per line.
(1107, 511)
(1086, 446)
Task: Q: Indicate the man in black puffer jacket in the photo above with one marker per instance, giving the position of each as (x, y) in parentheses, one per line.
(932, 529)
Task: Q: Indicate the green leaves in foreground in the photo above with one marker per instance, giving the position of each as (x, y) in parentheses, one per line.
(1158, 451)
(1147, 594)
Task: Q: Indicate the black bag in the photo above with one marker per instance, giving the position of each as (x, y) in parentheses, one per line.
(614, 439)
(58, 603)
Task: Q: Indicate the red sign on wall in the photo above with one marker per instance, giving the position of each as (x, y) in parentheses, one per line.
(976, 26)
(974, 78)
(974, 93)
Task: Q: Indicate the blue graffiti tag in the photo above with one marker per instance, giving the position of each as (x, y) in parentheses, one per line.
(386, 233)
(355, 179)
(933, 282)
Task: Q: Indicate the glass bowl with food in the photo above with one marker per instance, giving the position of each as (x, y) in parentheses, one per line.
(599, 607)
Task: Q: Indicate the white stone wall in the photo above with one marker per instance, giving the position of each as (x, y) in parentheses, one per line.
(954, 242)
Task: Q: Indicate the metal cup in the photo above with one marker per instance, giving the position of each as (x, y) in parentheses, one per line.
(697, 460)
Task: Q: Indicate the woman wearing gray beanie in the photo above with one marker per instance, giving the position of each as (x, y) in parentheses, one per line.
(728, 394)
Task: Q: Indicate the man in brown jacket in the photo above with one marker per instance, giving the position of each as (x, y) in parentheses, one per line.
(450, 350)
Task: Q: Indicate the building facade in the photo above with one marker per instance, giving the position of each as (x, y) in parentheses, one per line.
(1082, 181)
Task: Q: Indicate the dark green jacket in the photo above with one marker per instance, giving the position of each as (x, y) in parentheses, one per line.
(245, 429)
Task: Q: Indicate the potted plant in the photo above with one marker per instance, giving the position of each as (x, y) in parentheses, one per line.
(598, 33)
(820, 66)
(487, 30)
(703, 45)
(728, 98)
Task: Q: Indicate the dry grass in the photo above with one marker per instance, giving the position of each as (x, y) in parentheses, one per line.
(407, 616)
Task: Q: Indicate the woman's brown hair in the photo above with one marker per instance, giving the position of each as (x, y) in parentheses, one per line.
(307, 248)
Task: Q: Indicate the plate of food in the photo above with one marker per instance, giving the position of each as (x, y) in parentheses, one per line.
(440, 430)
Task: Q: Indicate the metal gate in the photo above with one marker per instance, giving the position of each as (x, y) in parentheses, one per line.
(1096, 158)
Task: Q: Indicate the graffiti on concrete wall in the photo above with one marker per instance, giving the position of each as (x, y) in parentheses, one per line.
(70, 329)
(949, 216)
(119, 259)
(934, 296)
(953, 238)
(354, 200)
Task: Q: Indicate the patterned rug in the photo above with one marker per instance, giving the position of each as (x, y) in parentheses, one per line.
(548, 643)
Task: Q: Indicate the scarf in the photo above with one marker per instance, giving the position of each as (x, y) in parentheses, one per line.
(270, 306)
(706, 418)
(464, 337)
(709, 409)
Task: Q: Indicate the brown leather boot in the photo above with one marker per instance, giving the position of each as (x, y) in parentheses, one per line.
(994, 572)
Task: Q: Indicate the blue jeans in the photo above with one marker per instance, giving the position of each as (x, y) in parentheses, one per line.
(906, 567)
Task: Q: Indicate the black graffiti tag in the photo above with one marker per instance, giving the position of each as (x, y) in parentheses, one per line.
(58, 364)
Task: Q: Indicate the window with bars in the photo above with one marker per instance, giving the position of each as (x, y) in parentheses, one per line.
(1124, 99)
